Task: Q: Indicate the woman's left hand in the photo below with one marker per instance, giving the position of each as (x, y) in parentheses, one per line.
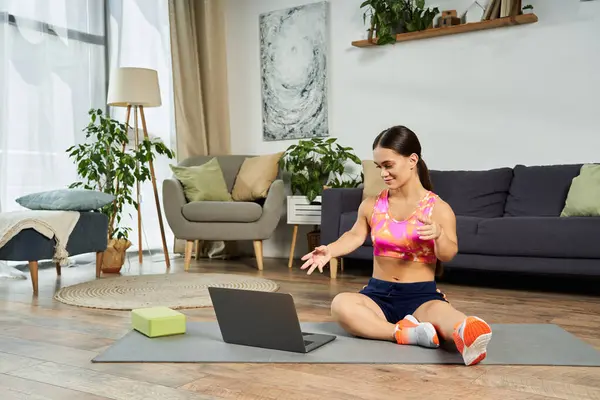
(429, 230)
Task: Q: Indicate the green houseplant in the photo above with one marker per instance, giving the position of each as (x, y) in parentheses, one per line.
(104, 163)
(317, 162)
(385, 19)
(390, 17)
(527, 9)
(417, 17)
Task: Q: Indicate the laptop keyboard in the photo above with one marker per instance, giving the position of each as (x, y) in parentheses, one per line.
(307, 342)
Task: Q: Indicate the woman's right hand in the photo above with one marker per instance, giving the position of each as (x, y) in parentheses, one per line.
(316, 259)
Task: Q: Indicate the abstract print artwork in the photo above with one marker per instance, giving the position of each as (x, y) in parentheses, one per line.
(293, 54)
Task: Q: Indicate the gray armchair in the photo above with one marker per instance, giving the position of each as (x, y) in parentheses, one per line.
(222, 220)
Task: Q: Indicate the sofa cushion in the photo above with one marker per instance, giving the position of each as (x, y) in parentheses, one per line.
(203, 182)
(583, 199)
(574, 237)
(76, 199)
(347, 221)
(474, 193)
(373, 183)
(255, 177)
(222, 211)
(466, 232)
(540, 190)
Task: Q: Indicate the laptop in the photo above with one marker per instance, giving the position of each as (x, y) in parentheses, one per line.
(262, 319)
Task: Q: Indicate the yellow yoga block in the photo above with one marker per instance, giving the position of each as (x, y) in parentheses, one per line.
(158, 321)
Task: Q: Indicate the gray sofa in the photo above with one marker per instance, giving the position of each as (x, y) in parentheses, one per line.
(508, 219)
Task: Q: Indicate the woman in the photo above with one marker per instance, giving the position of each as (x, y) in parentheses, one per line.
(412, 230)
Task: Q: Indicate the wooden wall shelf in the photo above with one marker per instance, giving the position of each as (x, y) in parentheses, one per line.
(452, 30)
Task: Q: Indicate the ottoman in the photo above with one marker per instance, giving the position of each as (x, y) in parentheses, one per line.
(90, 235)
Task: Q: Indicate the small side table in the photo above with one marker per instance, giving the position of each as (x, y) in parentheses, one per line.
(301, 212)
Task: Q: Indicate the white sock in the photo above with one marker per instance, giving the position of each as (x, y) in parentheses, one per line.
(410, 331)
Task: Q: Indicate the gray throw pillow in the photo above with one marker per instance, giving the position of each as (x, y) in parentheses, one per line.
(66, 200)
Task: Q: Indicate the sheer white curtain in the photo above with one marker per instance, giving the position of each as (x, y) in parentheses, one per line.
(138, 35)
(52, 70)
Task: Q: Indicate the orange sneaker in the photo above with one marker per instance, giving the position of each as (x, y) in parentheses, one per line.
(471, 338)
(410, 331)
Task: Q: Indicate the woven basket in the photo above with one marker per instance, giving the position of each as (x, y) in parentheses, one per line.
(314, 239)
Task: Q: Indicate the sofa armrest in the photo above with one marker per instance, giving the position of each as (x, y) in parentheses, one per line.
(335, 202)
(173, 200)
(272, 209)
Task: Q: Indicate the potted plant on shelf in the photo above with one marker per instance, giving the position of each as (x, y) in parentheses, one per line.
(527, 9)
(387, 18)
(417, 17)
(105, 163)
(317, 163)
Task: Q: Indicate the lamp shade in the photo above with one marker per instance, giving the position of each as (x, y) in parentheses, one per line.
(130, 86)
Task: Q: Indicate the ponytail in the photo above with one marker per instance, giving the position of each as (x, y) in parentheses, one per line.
(423, 172)
(425, 179)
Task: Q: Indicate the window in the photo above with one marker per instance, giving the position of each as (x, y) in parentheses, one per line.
(55, 62)
(52, 71)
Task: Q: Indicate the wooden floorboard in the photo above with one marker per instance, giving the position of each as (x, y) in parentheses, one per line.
(46, 346)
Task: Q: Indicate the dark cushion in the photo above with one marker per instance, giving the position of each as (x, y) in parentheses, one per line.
(347, 221)
(540, 190)
(466, 232)
(561, 237)
(335, 202)
(473, 193)
(536, 265)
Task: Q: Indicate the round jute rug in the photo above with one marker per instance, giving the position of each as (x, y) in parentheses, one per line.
(176, 291)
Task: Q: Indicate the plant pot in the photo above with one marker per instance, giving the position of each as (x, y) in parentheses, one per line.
(314, 239)
(114, 255)
(400, 28)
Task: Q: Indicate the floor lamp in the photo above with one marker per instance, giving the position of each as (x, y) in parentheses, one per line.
(138, 88)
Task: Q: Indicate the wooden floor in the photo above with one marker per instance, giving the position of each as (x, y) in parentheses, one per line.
(46, 346)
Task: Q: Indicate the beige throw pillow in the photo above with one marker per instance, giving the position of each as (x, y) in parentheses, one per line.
(255, 177)
(373, 183)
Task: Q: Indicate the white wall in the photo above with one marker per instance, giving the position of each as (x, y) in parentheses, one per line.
(480, 100)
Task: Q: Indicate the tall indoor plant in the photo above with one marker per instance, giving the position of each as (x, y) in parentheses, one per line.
(105, 163)
(315, 163)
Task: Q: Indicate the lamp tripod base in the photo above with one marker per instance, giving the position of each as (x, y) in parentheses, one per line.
(154, 188)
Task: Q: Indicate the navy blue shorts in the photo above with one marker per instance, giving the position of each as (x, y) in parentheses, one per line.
(396, 299)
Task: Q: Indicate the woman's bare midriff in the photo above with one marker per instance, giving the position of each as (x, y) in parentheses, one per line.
(397, 270)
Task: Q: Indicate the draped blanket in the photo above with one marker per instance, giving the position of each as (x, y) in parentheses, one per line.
(51, 224)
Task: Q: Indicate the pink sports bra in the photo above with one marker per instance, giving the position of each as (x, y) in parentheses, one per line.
(400, 239)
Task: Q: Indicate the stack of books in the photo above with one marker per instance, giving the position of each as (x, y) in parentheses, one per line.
(502, 8)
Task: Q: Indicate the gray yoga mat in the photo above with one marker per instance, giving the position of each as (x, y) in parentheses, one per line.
(511, 344)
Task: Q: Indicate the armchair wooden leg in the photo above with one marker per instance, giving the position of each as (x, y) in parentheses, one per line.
(333, 266)
(33, 271)
(58, 269)
(197, 249)
(258, 251)
(189, 246)
(99, 260)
